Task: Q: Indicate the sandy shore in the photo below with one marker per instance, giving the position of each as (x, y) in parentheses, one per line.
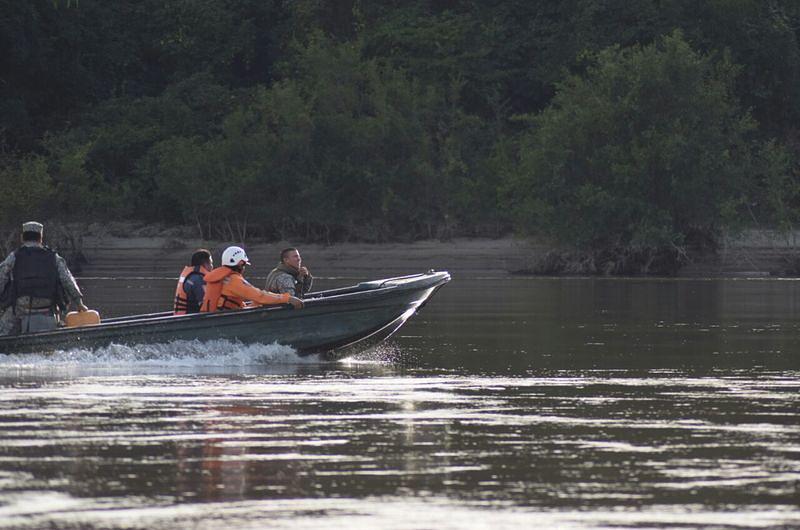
(164, 257)
(756, 254)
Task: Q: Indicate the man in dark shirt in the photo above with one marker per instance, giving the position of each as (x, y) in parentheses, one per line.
(191, 286)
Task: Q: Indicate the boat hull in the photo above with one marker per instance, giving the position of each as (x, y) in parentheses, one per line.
(333, 323)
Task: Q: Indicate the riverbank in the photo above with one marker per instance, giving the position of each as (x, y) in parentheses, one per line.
(164, 257)
(753, 254)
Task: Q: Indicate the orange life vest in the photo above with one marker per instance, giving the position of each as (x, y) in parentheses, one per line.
(181, 306)
(227, 289)
(213, 299)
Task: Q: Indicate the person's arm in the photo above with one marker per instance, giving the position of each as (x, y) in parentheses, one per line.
(5, 269)
(308, 281)
(5, 277)
(243, 289)
(69, 284)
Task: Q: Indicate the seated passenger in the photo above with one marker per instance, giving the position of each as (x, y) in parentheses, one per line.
(191, 287)
(290, 276)
(226, 288)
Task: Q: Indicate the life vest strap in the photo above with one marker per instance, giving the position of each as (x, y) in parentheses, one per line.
(227, 303)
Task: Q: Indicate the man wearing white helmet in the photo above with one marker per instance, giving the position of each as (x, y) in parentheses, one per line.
(226, 287)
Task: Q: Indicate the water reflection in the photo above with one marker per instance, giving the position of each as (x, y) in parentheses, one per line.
(566, 404)
(603, 323)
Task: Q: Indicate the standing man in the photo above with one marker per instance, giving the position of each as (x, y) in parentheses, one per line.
(290, 276)
(191, 288)
(36, 285)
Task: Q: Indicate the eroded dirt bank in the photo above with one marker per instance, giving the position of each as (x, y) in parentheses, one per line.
(756, 254)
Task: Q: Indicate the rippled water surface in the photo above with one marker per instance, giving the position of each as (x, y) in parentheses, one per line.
(505, 403)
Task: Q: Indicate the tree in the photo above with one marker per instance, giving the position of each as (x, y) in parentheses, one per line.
(26, 188)
(646, 152)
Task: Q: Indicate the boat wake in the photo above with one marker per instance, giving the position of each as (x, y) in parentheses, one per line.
(179, 353)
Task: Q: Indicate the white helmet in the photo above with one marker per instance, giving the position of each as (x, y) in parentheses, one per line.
(233, 256)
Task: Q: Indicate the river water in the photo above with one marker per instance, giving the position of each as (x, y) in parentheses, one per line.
(562, 403)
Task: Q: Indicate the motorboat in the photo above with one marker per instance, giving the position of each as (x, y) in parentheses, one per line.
(332, 324)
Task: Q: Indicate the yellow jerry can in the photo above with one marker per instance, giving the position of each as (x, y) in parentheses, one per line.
(76, 319)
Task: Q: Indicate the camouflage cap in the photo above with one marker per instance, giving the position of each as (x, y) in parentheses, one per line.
(33, 226)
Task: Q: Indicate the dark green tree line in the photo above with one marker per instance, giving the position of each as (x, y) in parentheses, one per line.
(589, 122)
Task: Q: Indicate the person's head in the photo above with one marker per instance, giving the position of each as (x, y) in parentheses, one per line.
(235, 258)
(291, 256)
(32, 231)
(202, 258)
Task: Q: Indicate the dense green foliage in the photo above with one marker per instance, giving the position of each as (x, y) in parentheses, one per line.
(645, 147)
(600, 124)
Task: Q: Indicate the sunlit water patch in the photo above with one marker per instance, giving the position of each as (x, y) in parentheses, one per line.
(389, 513)
(335, 446)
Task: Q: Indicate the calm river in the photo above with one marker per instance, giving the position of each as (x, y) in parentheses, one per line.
(560, 403)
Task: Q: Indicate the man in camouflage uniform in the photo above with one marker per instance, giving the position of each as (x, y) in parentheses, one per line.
(34, 281)
(290, 276)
